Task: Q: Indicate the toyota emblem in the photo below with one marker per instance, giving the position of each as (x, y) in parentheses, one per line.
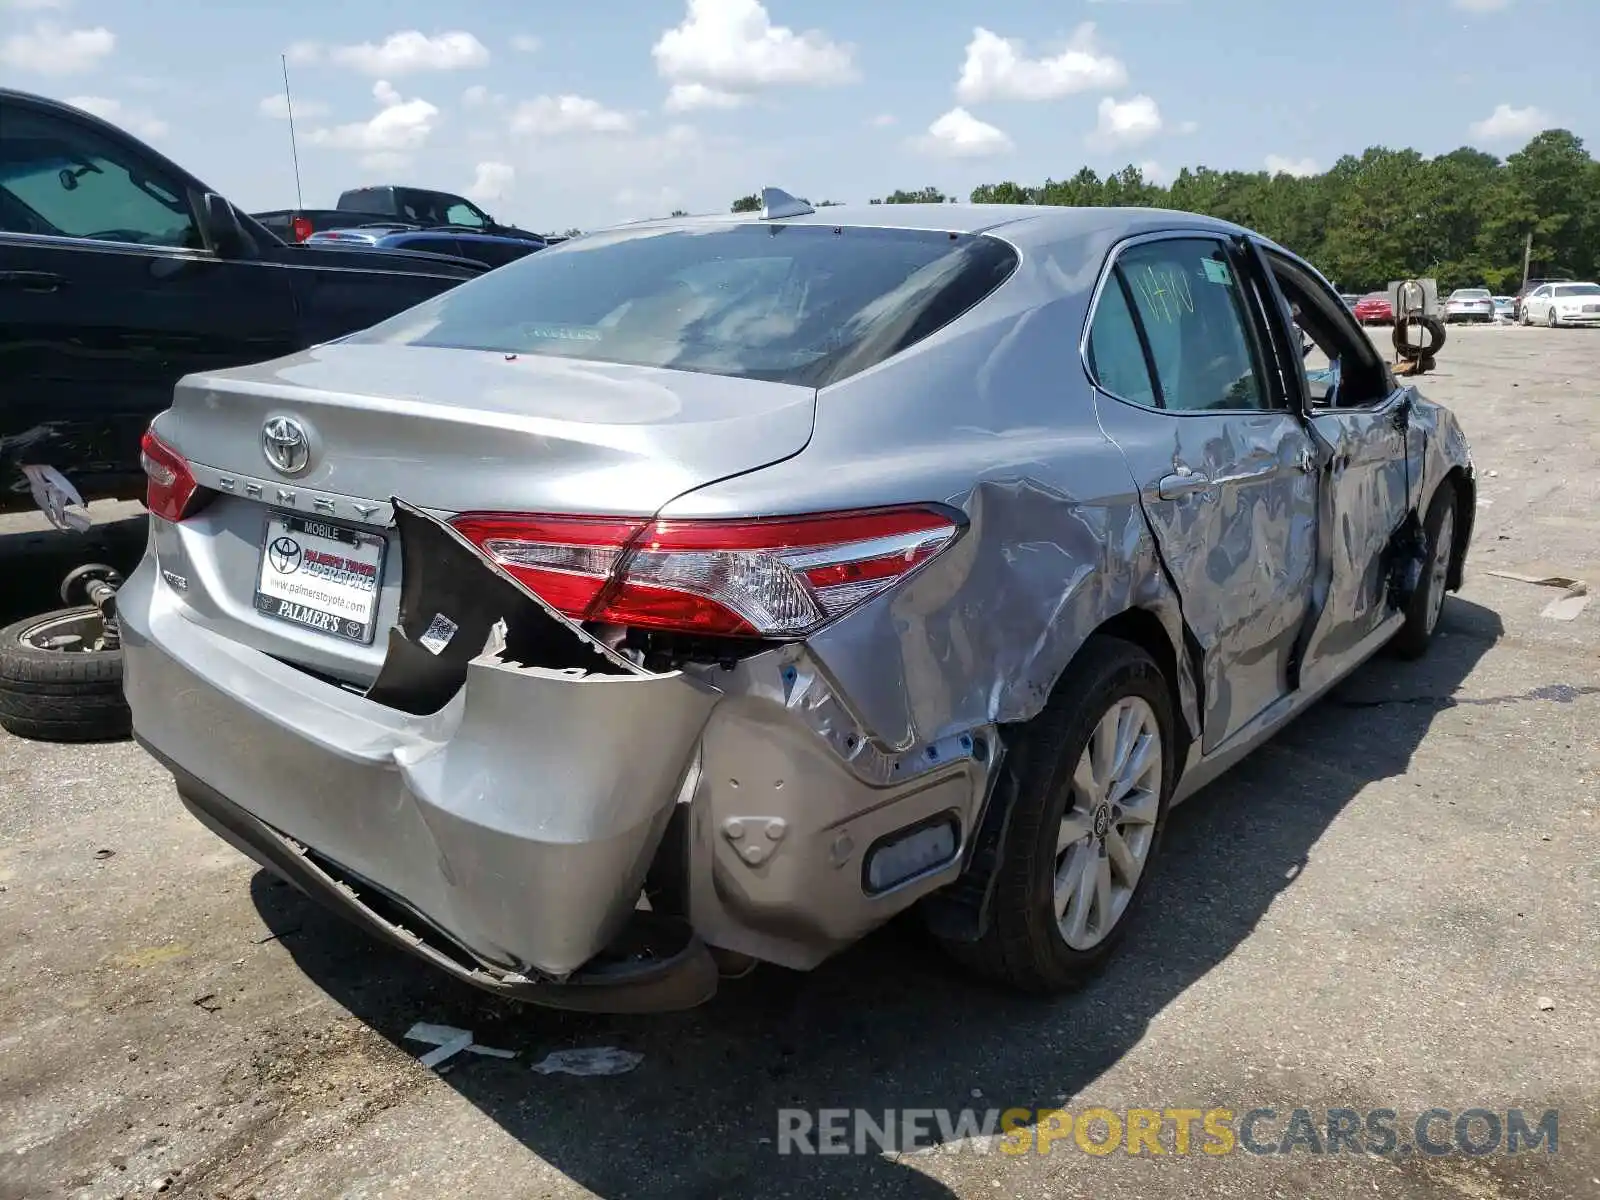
(285, 443)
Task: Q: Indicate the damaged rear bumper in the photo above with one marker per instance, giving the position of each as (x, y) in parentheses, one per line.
(500, 819)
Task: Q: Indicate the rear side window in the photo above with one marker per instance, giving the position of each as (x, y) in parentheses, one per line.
(1191, 309)
(804, 304)
(1115, 356)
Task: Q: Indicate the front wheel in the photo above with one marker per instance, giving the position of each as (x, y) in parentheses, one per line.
(1089, 780)
(1550, 317)
(1427, 602)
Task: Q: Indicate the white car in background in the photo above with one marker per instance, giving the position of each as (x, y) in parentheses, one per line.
(1556, 304)
(1469, 304)
(1505, 308)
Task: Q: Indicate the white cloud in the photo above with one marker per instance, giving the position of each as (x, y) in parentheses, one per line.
(1482, 6)
(884, 121)
(276, 106)
(1155, 173)
(48, 49)
(138, 121)
(492, 181)
(400, 127)
(524, 43)
(401, 53)
(550, 116)
(1300, 168)
(1507, 123)
(959, 134)
(656, 201)
(35, 5)
(998, 68)
(733, 45)
(688, 97)
(1125, 124)
(475, 96)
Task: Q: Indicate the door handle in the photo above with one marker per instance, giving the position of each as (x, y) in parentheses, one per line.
(1182, 482)
(32, 281)
(1306, 461)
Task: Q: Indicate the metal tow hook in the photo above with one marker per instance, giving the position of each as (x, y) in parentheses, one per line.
(97, 583)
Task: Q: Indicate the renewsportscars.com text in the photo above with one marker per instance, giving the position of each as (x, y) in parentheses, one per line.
(1380, 1132)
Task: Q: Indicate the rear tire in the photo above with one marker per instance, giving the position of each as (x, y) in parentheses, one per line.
(54, 687)
(1115, 796)
(1427, 602)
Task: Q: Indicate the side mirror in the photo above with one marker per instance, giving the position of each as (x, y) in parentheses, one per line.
(222, 229)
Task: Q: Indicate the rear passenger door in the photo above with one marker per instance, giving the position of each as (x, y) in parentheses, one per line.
(1225, 468)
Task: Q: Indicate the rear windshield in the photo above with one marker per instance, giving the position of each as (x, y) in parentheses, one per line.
(1473, 293)
(805, 304)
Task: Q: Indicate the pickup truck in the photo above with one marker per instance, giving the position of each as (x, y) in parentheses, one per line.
(120, 273)
(389, 204)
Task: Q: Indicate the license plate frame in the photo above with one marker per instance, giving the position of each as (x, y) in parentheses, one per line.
(330, 611)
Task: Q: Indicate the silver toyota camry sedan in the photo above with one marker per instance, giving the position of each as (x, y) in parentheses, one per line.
(710, 590)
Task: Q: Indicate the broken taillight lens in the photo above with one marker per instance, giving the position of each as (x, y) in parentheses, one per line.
(170, 485)
(768, 577)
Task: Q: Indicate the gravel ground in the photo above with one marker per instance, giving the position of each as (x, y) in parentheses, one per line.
(1391, 906)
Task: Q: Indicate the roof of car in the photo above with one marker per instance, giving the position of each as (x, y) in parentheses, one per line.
(1041, 223)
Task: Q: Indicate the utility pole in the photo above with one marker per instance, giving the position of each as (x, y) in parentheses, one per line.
(1527, 257)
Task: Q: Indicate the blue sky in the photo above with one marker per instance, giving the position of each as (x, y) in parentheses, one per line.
(586, 114)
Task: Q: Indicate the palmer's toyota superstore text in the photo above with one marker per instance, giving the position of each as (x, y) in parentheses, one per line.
(1173, 1131)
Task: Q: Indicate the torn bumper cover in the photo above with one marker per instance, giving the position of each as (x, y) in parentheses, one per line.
(499, 818)
(513, 810)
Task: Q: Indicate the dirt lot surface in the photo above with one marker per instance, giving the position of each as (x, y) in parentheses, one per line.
(1392, 906)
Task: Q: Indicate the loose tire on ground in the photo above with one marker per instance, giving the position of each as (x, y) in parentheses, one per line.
(1024, 946)
(60, 695)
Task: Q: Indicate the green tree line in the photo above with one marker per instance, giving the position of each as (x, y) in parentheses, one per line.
(1465, 218)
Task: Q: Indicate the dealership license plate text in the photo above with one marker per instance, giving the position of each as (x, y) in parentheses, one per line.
(321, 576)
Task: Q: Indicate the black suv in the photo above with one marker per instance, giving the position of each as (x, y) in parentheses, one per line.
(120, 273)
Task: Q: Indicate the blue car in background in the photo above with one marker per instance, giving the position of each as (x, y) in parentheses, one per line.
(483, 248)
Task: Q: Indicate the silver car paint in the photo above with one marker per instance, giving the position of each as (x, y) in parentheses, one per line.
(810, 750)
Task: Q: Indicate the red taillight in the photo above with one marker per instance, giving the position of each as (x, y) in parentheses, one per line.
(171, 485)
(770, 577)
(301, 227)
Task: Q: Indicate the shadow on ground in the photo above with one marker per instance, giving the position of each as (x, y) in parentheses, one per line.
(33, 562)
(889, 1024)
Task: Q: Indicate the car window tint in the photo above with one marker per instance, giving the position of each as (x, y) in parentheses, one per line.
(1115, 356)
(806, 304)
(462, 214)
(61, 178)
(1192, 311)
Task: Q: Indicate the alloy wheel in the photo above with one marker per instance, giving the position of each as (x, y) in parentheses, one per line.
(1439, 568)
(1109, 826)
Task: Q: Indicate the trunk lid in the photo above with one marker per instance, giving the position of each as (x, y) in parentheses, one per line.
(449, 431)
(454, 430)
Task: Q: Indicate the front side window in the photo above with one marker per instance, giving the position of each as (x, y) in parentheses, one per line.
(1192, 310)
(62, 179)
(805, 304)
